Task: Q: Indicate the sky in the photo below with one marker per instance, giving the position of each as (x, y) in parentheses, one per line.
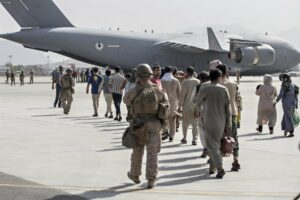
(167, 16)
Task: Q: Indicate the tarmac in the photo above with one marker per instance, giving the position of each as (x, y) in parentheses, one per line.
(46, 155)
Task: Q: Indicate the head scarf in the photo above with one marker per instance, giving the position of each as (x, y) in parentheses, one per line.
(268, 79)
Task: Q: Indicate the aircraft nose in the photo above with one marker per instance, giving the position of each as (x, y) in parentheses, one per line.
(298, 56)
(294, 56)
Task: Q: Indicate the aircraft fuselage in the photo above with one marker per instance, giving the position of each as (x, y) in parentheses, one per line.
(130, 49)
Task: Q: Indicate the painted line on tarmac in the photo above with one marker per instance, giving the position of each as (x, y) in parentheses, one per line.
(162, 191)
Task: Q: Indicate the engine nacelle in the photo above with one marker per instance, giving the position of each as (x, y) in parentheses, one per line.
(260, 55)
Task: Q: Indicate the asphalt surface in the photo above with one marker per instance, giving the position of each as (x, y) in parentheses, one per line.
(46, 155)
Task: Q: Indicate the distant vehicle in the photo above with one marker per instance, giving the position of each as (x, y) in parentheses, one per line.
(45, 28)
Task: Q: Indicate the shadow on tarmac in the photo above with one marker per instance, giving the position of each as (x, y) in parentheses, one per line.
(182, 167)
(117, 148)
(186, 177)
(266, 139)
(99, 194)
(177, 160)
(182, 152)
(49, 115)
(40, 108)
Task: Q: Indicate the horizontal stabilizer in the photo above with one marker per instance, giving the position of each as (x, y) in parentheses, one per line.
(36, 13)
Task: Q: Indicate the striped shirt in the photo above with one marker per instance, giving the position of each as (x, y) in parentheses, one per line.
(116, 81)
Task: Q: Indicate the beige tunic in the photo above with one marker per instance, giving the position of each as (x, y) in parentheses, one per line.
(172, 88)
(185, 97)
(216, 117)
(266, 111)
(232, 90)
(186, 100)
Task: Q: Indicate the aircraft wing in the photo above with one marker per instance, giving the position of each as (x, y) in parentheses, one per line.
(241, 42)
(191, 43)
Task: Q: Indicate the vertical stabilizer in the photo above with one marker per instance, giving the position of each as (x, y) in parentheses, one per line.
(36, 13)
(213, 42)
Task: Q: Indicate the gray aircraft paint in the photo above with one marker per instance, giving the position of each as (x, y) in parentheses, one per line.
(130, 49)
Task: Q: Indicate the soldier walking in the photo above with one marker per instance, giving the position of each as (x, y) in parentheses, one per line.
(144, 101)
(68, 84)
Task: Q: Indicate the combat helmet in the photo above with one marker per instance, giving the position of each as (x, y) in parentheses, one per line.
(144, 70)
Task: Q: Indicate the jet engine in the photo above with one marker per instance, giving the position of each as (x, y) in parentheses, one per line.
(263, 55)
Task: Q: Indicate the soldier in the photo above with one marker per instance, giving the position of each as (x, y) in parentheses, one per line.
(12, 78)
(144, 100)
(22, 76)
(67, 83)
(31, 77)
(7, 76)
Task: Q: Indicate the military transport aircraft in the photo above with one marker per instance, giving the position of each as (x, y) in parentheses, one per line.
(44, 27)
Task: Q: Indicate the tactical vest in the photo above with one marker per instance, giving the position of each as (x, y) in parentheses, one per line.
(66, 82)
(145, 103)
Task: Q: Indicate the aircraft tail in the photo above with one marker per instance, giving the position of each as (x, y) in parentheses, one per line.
(213, 41)
(36, 13)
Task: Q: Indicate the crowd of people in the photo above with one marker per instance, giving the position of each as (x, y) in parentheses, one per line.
(11, 77)
(157, 99)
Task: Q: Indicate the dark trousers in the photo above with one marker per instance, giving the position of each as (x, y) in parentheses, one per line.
(117, 98)
(57, 96)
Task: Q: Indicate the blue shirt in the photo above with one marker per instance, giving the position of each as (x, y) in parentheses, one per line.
(95, 81)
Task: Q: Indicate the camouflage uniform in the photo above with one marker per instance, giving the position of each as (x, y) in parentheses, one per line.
(66, 93)
(143, 100)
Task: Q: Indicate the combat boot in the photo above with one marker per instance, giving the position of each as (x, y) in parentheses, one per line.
(151, 183)
(136, 180)
(235, 166)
